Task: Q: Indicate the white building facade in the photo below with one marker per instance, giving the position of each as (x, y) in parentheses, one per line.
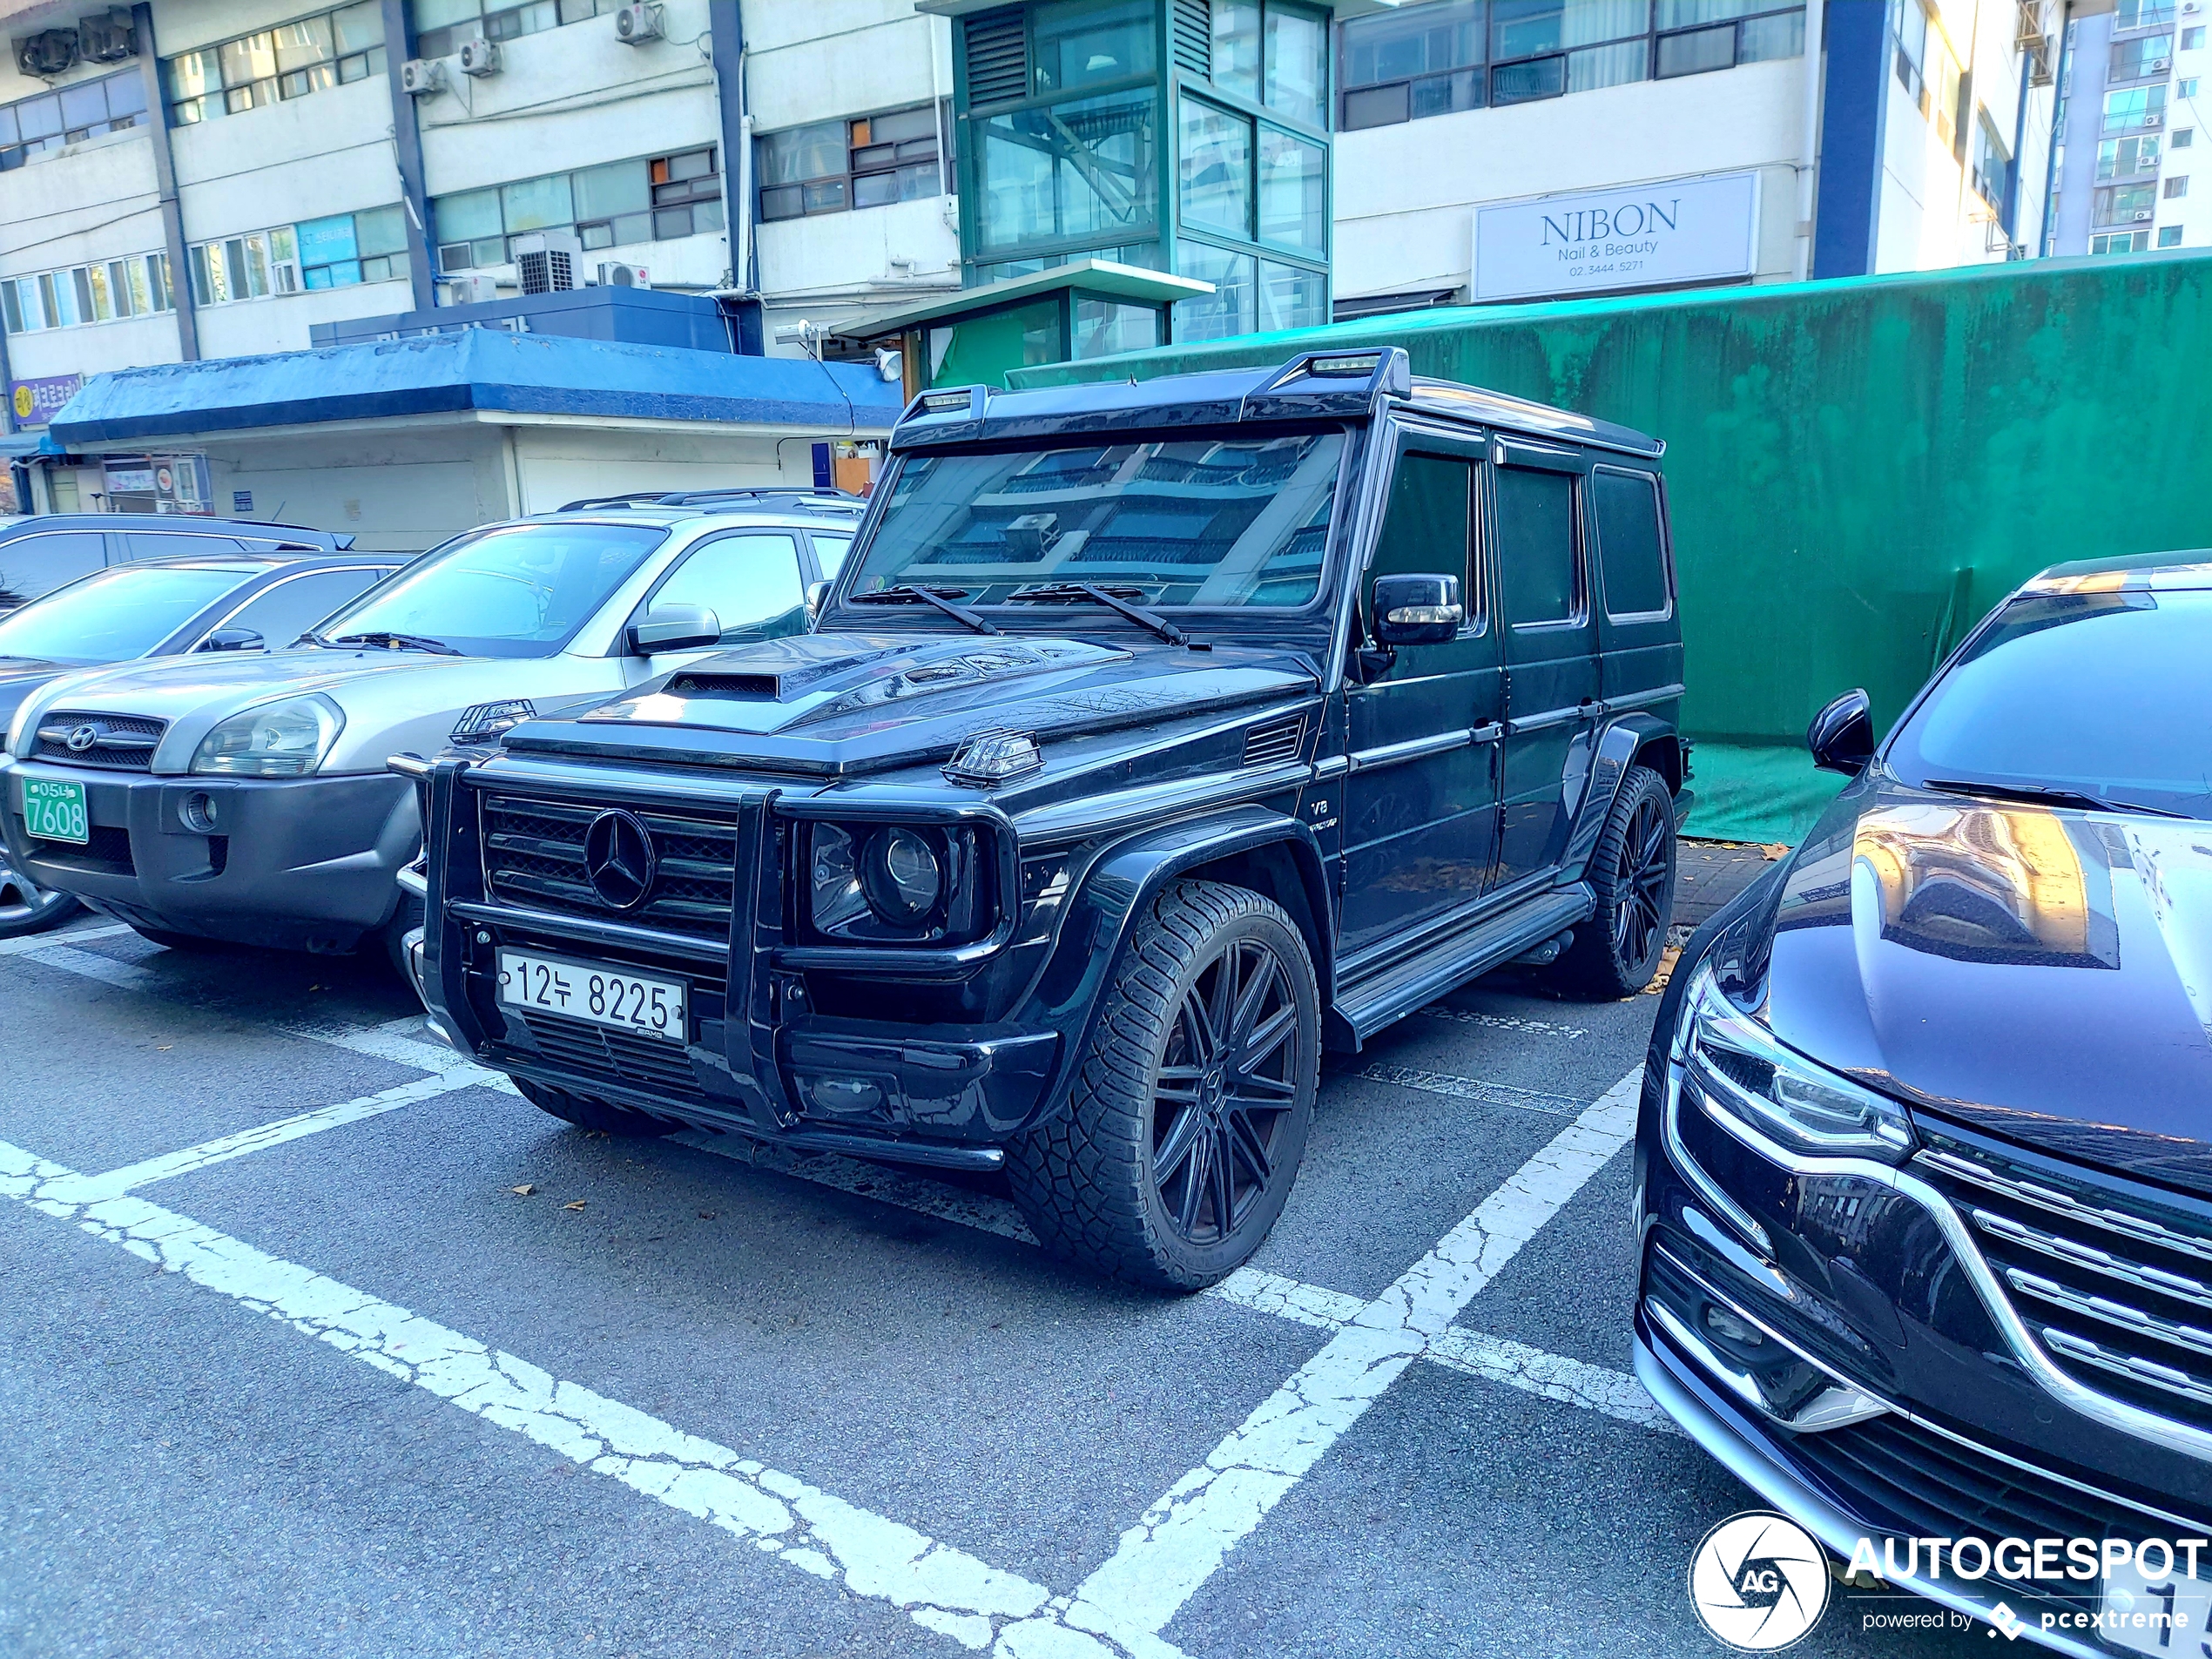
(2128, 140)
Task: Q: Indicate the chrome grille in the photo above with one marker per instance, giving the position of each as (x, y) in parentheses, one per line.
(534, 857)
(2115, 1279)
(118, 742)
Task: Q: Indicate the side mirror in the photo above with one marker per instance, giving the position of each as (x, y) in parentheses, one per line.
(1417, 610)
(1841, 736)
(816, 592)
(233, 639)
(675, 628)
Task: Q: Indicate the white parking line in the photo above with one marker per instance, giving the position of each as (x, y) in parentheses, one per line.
(867, 1556)
(89, 1189)
(1184, 1537)
(54, 953)
(1505, 1023)
(404, 1043)
(32, 942)
(1552, 1376)
(1443, 1082)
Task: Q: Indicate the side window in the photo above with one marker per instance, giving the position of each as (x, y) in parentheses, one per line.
(175, 544)
(1536, 563)
(283, 613)
(751, 581)
(30, 565)
(1425, 530)
(829, 553)
(1631, 555)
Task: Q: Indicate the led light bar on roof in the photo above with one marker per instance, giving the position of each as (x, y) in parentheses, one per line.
(1345, 365)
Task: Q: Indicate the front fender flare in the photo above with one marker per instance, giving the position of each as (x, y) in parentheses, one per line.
(1122, 880)
(1604, 763)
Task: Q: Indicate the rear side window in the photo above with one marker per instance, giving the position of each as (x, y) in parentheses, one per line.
(280, 614)
(1631, 554)
(30, 565)
(177, 544)
(829, 553)
(1536, 563)
(1425, 532)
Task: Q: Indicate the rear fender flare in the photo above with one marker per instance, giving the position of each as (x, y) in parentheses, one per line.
(1103, 915)
(1604, 763)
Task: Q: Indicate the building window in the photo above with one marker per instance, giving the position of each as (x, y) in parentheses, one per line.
(2182, 137)
(441, 25)
(2136, 110)
(2179, 186)
(618, 205)
(2193, 39)
(832, 166)
(332, 49)
(2133, 59)
(2120, 242)
(2126, 158)
(32, 127)
(1466, 54)
(335, 252)
(2169, 236)
(2125, 205)
(1082, 168)
(1272, 54)
(106, 291)
(1992, 172)
(2143, 14)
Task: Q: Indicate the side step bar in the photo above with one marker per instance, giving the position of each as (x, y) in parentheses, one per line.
(1366, 1007)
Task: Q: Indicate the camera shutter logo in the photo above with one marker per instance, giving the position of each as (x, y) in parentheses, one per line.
(1759, 1582)
(618, 859)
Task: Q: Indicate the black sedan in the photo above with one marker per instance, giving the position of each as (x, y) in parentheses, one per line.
(162, 608)
(1924, 1162)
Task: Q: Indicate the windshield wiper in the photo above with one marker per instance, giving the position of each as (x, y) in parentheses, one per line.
(912, 593)
(394, 642)
(1115, 599)
(2047, 795)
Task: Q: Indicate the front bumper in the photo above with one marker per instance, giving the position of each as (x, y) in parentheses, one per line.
(292, 863)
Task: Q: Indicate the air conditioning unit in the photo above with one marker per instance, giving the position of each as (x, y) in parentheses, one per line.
(2161, 62)
(549, 260)
(477, 288)
(2141, 216)
(2153, 120)
(480, 57)
(635, 25)
(51, 52)
(612, 275)
(421, 76)
(107, 37)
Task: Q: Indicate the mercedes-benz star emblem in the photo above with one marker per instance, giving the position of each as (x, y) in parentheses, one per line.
(82, 737)
(618, 859)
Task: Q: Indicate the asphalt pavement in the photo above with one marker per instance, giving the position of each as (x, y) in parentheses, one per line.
(317, 1340)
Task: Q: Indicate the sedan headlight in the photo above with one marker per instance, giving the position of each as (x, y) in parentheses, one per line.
(286, 738)
(1741, 1069)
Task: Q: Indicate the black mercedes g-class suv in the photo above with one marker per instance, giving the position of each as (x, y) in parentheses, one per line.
(1153, 738)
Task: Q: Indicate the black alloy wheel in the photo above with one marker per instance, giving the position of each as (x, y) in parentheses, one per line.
(1225, 1088)
(1618, 950)
(1188, 1112)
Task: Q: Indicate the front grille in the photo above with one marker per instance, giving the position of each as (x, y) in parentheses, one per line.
(534, 857)
(2114, 1281)
(1899, 1477)
(108, 852)
(119, 742)
(594, 1051)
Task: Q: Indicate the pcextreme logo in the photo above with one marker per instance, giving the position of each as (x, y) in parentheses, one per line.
(1759, 1582)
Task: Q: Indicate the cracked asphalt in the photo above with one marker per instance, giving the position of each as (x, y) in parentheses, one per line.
(340, 1387)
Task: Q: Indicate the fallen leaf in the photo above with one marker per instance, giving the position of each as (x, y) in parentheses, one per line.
(1775, 850)
(523, 1191)
(164, 1047)
(578, 1204)
(706, 1215)
(1667, 958)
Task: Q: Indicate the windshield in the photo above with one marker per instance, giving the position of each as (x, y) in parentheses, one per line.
(115, 615)
(2103, 693)
(515, 590)
(1198, 522)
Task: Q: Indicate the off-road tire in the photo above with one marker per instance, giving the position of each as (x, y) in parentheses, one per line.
(1617, 951)
(586, 1111)
(1086, 1179)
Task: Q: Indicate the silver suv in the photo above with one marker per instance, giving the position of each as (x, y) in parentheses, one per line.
(244, 799)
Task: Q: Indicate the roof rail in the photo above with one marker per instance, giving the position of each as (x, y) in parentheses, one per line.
(696, 497)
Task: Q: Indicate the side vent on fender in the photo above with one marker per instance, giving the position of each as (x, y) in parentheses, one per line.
(1275, 743)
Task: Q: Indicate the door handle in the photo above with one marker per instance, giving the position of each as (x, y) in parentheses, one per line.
(1488, 732)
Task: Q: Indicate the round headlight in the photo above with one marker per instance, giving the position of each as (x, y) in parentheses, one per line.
(901, 875)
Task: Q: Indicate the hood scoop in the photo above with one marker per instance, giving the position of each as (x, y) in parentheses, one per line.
(692, 683)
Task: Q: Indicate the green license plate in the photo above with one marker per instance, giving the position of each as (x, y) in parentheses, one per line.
(54, 811)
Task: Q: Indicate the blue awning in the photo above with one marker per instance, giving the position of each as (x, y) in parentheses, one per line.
(480, 369)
